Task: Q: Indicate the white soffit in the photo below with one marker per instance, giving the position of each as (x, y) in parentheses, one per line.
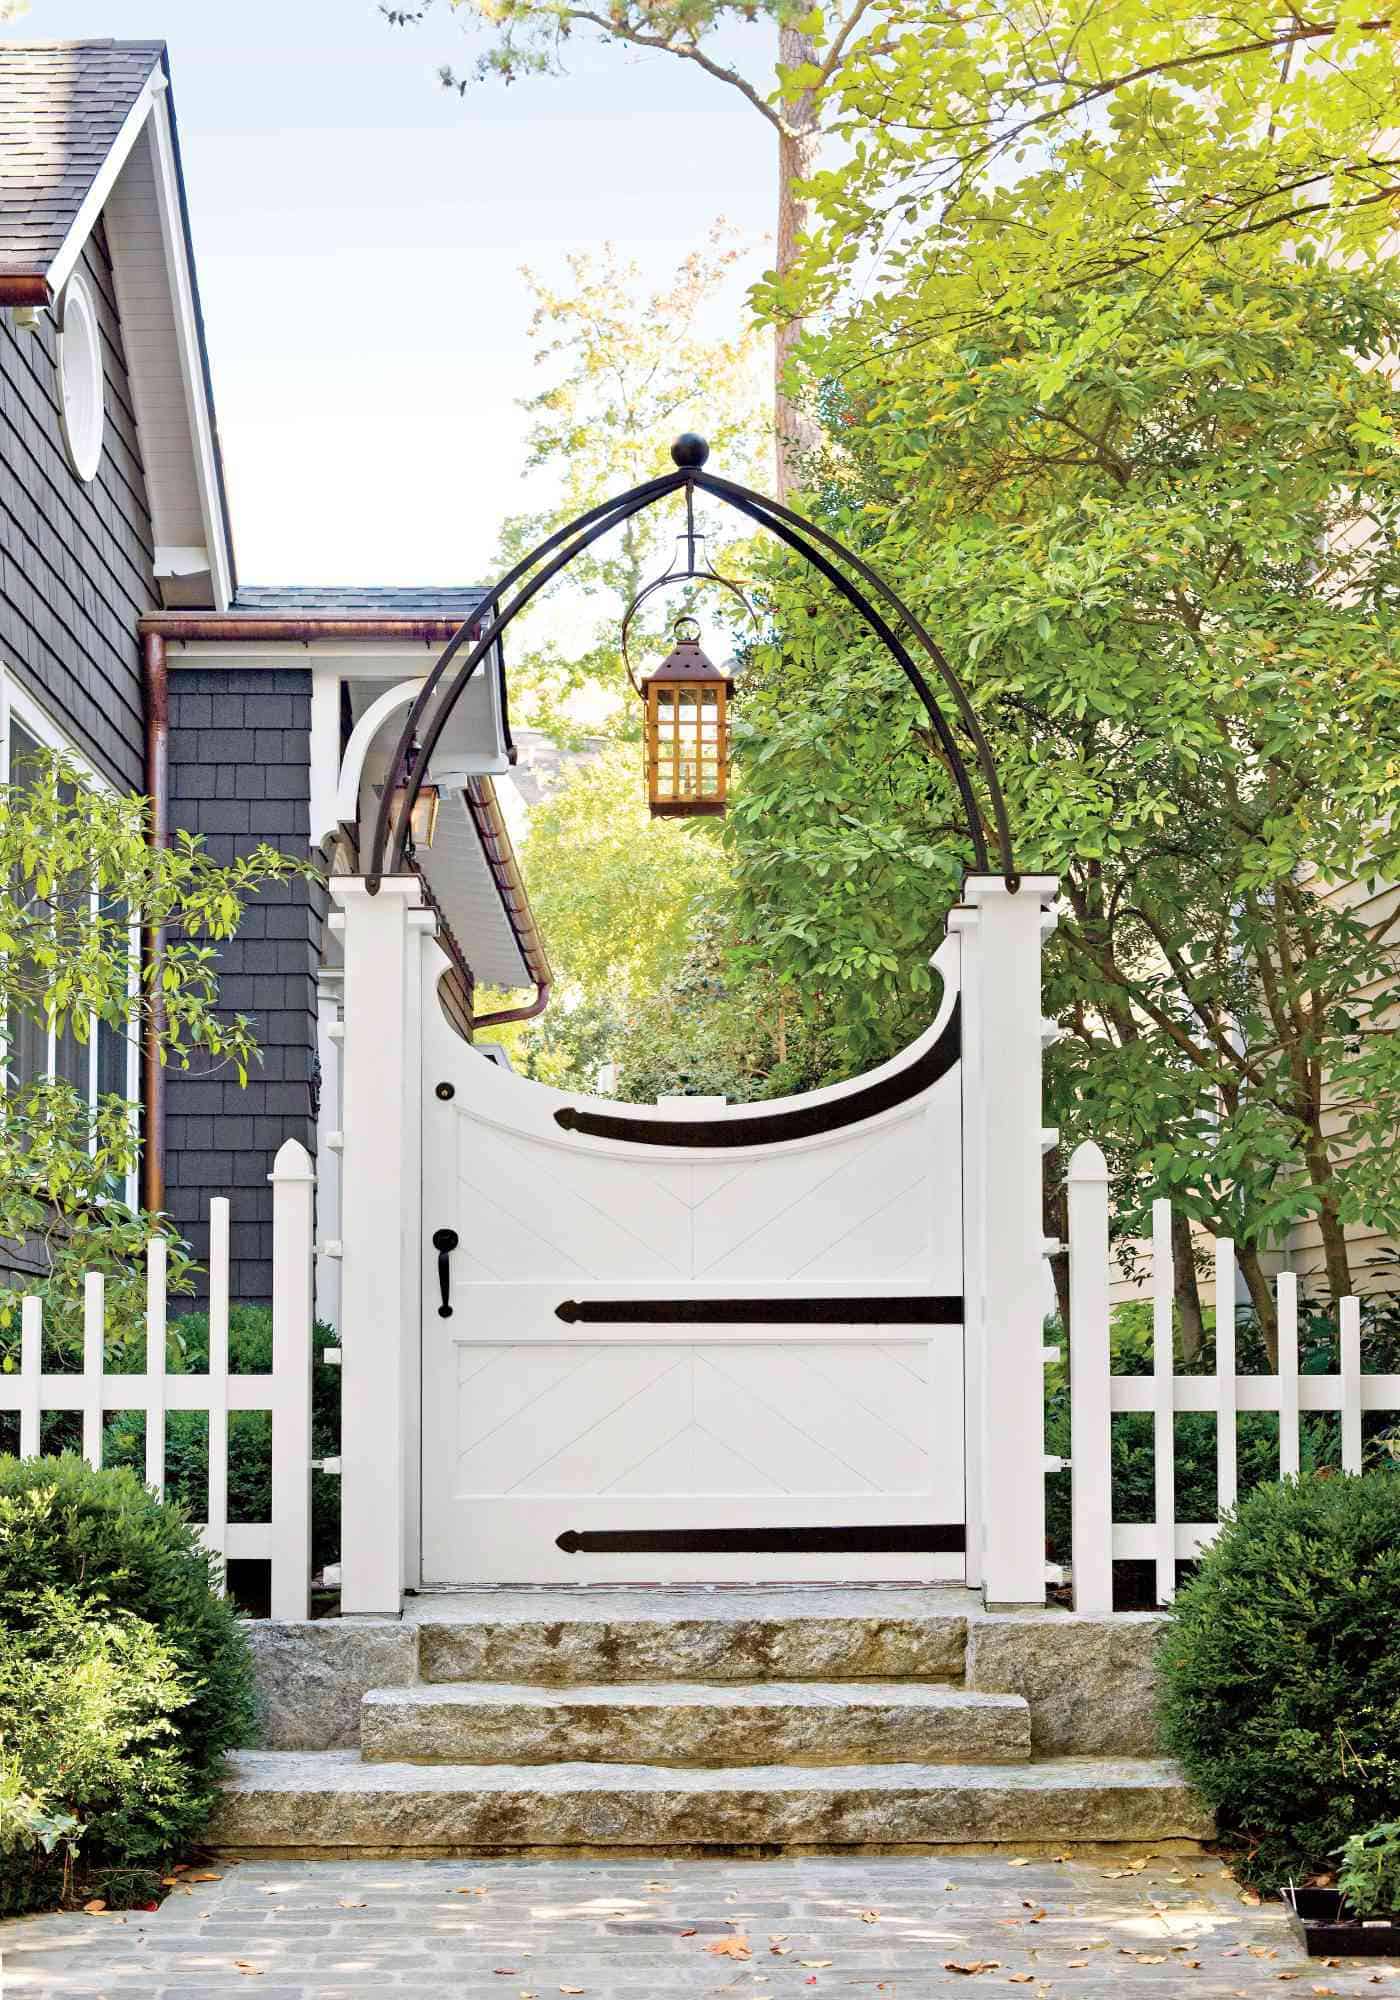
(155, 297)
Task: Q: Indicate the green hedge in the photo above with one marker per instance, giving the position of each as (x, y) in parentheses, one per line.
(124, 1677)
(1279, 1672)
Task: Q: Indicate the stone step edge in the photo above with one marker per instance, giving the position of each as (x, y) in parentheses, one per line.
(816, 1694)
(324, 1800)
(685, 1724)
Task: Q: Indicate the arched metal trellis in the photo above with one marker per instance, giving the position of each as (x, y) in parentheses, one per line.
(822, 551)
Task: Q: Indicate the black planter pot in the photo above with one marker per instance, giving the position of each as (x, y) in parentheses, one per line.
(1326, 1928)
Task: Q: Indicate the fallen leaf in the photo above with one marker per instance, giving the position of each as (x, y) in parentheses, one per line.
(777, 1937)
(1150, 1957)
(1078, 1964)
(168, 1881)
(973, 1966)
(573, 1989)
(95, 1907)
(780, 1950)
(692, 1932)
(249, 1971)
(1251, 1897)
(818, 1962)
(506, 1971)
(731, 1947)
(950, 1885)
(349, 1903)
(1019, 1861)
(207, 1875)
(1021, 1978)
(870, 1916)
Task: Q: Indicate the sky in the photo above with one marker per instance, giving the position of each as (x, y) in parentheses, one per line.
(359, 234)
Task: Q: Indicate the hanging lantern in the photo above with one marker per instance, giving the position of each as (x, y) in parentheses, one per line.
(687, 729)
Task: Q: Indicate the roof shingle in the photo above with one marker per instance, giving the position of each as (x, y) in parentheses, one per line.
(359, 601)
(62, 105)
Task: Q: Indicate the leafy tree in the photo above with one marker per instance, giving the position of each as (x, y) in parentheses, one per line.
(531, 37)
(1157, 531)
(1140, 135)
(629, 367)
(78, 881)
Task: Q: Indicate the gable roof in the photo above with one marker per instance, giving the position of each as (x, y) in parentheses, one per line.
(62, 109)
(88, 132)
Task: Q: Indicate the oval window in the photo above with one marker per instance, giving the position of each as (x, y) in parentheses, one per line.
(80, 380)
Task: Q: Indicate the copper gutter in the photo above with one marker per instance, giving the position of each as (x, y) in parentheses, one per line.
(158, 794)
(19, 290)
(510, 885)
(252, 625)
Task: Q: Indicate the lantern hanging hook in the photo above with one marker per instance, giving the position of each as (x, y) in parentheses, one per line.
(701, 571)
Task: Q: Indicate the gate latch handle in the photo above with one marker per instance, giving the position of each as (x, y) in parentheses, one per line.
(445, 1242)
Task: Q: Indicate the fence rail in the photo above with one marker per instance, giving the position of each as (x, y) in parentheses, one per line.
(285, 1540)
(1097, 1395)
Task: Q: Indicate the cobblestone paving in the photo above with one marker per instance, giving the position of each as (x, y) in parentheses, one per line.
(649, 1930)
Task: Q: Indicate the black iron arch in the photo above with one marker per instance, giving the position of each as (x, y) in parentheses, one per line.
(418, 740)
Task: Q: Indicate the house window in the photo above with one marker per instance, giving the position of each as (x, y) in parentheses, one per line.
(80, 383)
(104, 1064)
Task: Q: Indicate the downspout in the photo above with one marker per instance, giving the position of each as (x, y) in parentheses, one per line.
(157, 692)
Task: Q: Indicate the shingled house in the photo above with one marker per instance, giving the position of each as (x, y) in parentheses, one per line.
(126, 636)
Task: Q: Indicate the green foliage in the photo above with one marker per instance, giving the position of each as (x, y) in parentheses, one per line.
(629, 366)
(1158, 537)
(1369, 1876)
(77, 878)
(94, 1772)
(104, 1535)
(1146, 137)
(124, 1677)
(1280, 1671)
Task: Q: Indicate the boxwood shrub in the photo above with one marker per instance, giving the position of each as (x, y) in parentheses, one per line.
(1279, 1672)
(124, 1674)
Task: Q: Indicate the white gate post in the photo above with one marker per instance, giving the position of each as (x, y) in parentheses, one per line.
(1090, 1388)
(1001, 934)
(379, 1077)
(293, 1311)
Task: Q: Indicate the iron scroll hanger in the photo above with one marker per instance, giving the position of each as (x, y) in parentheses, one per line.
(419, 736)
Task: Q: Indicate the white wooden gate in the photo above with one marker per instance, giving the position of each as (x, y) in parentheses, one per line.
(798, 1339)
(693, 1343)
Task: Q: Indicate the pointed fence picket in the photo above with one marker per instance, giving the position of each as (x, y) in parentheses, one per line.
(285, 1540)
(1097, 1395)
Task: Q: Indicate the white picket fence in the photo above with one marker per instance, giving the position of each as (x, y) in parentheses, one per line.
(285, 1540)
(1097, 1395)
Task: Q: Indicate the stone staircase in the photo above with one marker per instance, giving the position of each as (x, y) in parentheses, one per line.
(702, 1720)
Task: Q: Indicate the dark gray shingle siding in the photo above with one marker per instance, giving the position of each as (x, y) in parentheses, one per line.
(240, 774)
(76, 561)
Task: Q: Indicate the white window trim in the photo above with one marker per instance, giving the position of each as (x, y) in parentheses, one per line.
(17, 704)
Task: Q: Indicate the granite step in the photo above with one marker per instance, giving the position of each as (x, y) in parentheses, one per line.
(558, 1638)
(682, 1723)
(331, 1802)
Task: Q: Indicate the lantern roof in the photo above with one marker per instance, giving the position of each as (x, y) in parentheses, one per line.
(687, 661)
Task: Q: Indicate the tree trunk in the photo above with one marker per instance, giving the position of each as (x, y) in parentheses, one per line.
(797, 157)
(1261, 1297)
(1335, 1250)
(1188, 1296)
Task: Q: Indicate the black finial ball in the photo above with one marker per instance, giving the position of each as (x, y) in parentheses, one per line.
(690, 451)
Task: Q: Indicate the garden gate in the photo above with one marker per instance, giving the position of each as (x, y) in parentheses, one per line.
(679, 1343)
